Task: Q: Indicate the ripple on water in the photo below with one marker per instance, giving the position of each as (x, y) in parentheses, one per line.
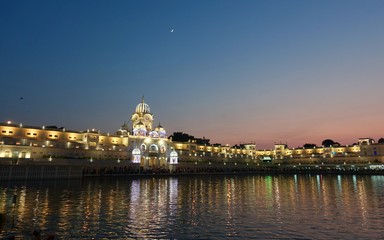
(200, 207)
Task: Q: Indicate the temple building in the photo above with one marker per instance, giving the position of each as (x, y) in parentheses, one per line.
(147, 144)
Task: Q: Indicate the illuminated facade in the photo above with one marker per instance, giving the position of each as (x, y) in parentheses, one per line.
(149, 146)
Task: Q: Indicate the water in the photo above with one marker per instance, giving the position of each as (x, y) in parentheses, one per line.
(198, 207)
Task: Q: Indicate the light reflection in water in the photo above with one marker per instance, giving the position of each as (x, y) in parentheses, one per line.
(277, 196)
(354, 183)
(230, 206)
(318, 183)
(339, 183)
(205, 207)
(173, 200)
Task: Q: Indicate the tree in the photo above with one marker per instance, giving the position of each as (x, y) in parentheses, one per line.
(328, 143)
(381, 140)
(181, 137)
(184, 137)
(309, 145)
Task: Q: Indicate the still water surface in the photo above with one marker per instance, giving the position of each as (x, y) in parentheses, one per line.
(199, 207)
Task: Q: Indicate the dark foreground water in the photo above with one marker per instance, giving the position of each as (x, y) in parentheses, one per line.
(198, 207)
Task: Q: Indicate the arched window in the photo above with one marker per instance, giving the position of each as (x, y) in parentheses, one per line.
(153, 148)
(162, 149)
(143, 147)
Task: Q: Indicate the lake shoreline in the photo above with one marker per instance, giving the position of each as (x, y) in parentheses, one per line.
(43, 172)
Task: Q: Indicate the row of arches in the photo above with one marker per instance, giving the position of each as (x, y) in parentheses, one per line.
(152, 148)
(137, 155)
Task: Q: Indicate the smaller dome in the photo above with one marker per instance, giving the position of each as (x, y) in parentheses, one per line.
(173, 154)
(136, 151)
(154, 134)
(161, 131)
(140, 126)
(159, 126)
(122, 132)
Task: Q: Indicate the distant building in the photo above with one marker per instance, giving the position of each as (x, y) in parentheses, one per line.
(142, 143)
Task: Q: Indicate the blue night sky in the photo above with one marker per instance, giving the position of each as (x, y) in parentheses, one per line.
(231, 71)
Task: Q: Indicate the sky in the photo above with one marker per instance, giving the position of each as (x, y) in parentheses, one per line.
(265, 72)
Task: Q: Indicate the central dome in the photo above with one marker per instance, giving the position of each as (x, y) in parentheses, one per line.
(142, 107)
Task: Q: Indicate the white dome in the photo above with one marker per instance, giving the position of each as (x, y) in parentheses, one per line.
(136, 151)
(173, 154)
(142, 107)
(154, 134)
(161, 131)
(163, 134)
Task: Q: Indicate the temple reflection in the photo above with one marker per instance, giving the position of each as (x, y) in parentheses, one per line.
(137, 207)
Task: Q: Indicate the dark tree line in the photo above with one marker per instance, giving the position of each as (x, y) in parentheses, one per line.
(184, 137)
(325, 143)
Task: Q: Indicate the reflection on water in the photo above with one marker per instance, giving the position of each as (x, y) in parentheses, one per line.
(205, 207)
